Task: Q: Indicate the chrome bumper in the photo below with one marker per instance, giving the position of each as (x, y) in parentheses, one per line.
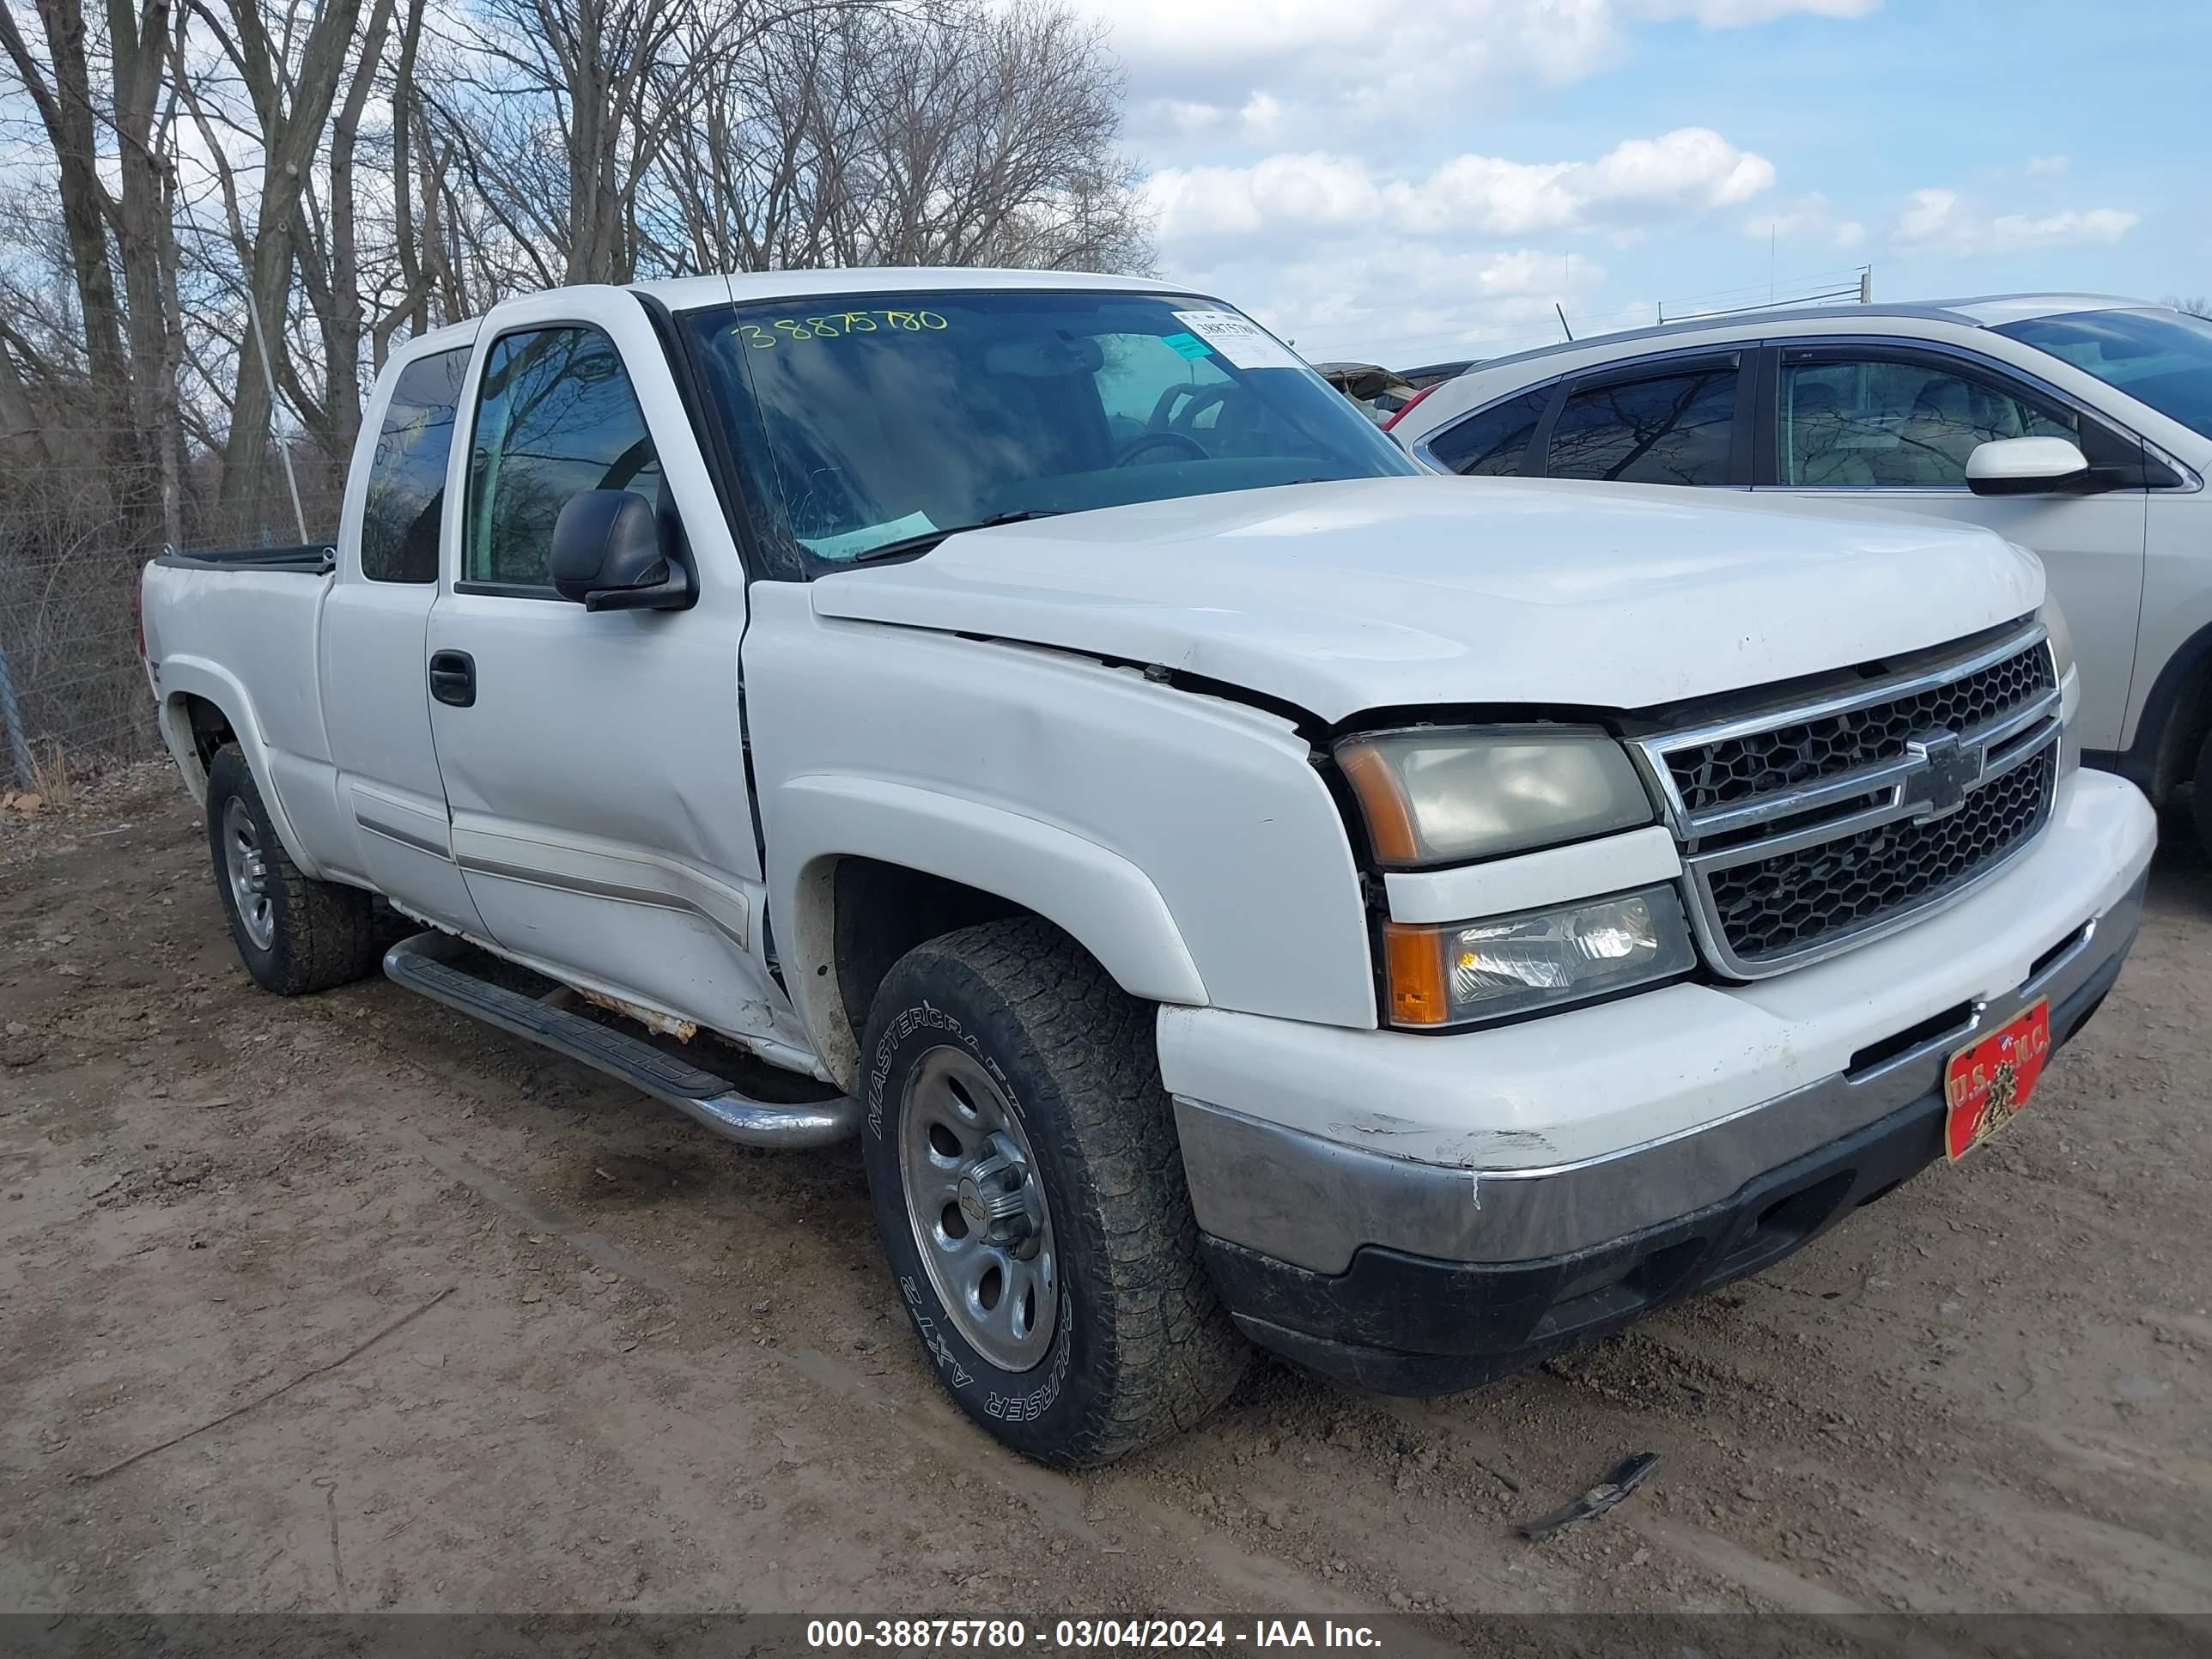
(1313, 1202)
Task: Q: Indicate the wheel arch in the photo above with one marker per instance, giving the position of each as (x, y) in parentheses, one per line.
(2175, 718)
(202, 707)
(885, 865)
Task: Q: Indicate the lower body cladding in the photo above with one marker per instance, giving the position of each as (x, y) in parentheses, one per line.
(1431, 1273)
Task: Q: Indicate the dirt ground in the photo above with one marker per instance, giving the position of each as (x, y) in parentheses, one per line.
(448, 1323)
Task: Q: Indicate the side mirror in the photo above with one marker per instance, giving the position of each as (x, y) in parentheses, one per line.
(2026, 467)
(612, 552)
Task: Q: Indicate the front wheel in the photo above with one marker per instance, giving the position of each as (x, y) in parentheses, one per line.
(1025, 1177)
(2201, 791)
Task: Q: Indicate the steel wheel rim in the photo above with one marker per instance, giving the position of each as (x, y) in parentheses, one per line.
(977, 1210)
(248, 873)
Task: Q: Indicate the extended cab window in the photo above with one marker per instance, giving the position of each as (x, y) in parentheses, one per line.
(407, 477)
(871, 425)
(1671, 429)
(1492, 444)
(1852, 420)
(555, 417)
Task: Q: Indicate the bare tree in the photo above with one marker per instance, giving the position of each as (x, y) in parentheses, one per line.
(101, 96)
(940, 133)
(290, 89)
(357, 169)
(991, 143)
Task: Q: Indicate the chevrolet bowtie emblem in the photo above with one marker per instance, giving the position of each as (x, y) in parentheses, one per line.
(1947, 770)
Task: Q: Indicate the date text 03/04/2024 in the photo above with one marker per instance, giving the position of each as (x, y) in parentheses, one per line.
(1015, 1635)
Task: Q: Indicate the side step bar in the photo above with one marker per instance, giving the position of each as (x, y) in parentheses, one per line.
(424, 965)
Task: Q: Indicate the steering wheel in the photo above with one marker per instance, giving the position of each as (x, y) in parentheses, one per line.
(1203, 398)
(1162, 417)
(1180, 440)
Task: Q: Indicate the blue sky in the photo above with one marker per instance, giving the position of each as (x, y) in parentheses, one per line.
(1402, 179)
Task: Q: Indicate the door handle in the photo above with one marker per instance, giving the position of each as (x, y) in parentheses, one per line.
(454, 678)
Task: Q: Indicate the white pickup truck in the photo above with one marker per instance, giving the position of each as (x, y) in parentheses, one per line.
(1234, 888)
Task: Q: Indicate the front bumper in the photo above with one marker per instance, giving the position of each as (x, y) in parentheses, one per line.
(1481, 1254)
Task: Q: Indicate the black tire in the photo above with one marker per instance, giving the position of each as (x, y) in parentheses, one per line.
(1140, 1347)
(320, 934)
(2200, 791)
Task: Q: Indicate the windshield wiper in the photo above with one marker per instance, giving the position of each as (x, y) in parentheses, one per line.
(929, 538)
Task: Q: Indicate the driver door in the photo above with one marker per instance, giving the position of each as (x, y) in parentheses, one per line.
(593, 761)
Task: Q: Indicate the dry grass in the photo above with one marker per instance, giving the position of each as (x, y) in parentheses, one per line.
(50, 775)
(52, 784)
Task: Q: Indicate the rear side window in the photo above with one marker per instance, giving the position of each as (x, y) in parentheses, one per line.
(407, 477)
(1672, 429)
(555, 417)
(1492, 444)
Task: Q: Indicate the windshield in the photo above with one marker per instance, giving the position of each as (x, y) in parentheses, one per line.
(2163, 358)
(877, 424)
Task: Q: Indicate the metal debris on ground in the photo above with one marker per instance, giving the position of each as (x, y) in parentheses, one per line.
(1628, 1474)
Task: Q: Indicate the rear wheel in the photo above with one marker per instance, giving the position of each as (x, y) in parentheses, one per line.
(295, 934)
(1026, 1180)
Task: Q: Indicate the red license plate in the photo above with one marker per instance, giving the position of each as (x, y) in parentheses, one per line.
(1989, 1080)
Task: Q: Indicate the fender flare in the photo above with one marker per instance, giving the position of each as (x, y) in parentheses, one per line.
(2156, 759)
(185, 677)
(1093, 893)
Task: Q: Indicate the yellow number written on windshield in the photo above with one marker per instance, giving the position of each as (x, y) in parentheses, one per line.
(836, 324)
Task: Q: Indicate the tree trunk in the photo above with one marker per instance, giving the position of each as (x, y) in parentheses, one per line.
(291, 133)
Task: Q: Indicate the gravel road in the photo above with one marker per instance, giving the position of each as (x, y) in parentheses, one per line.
(345, 1303)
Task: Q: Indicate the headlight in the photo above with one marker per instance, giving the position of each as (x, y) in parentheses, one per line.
(1457, 973)
(1442, 795)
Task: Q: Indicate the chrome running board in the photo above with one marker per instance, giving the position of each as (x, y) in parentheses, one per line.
(426, 964)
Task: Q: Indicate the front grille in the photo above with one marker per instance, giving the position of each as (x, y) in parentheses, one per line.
(1732, 770)
(1778, 907)
(1807, 829)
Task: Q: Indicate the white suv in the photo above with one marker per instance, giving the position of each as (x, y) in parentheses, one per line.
(2077, 426)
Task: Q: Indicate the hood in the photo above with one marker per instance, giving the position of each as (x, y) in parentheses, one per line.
(1338, 597)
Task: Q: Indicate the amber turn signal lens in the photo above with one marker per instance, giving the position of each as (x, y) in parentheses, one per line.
(1389, 825)
(1413, 965)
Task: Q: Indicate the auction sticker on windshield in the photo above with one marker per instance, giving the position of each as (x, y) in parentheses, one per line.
(1988, 1081)
(1241, 340)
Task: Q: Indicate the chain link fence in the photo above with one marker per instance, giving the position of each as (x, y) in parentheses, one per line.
(74, 535)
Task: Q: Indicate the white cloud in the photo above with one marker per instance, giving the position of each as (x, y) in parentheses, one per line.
(1807, 219)
(1367, 54)
(1288, 192)
(1741, 14)
(1942, 220)
(1263, 118)
(1643, 180)
(1185, 116)
(1384, 58)
(1396, 301)
(2045, 167)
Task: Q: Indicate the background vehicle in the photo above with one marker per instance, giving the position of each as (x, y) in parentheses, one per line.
(1235, 886)
(1424, 380)
(1379, 393)
(1429, 375)
(2079, 427)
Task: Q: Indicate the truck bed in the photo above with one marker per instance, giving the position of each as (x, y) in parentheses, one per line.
(241, 629)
